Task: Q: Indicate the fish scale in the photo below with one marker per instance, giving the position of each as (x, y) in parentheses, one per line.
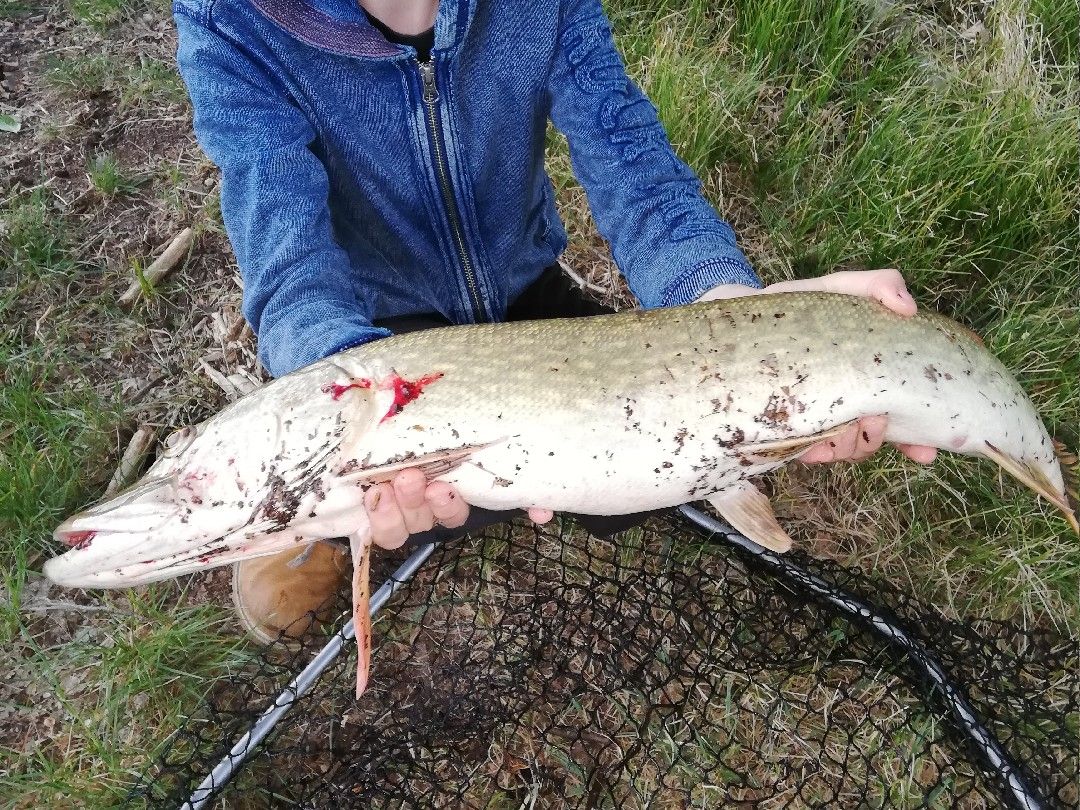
(606, 415)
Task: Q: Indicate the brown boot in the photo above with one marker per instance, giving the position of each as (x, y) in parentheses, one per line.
(271, 598)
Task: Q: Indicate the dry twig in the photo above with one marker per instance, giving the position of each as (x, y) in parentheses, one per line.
(220, 380)
(132, 459)
(581, 282)
(162, 265)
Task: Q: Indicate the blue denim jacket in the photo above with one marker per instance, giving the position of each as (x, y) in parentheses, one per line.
(359, 183)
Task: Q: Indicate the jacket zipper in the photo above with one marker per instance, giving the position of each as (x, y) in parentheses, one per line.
(431, 98)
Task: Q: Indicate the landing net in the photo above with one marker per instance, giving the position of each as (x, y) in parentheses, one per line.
(540, 667)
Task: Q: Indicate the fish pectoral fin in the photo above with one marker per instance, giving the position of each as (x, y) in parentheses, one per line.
(432, 465)
(360, 545)
(790, 448)
(749, 511)
(1033, 478)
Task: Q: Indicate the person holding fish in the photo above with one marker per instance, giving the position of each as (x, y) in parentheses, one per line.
(383, 170)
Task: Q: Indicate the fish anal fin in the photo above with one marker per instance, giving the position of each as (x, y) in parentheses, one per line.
(788, 448)
(749, 511)
(360, 546)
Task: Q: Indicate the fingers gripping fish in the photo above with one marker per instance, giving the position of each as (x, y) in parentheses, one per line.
(607, 415)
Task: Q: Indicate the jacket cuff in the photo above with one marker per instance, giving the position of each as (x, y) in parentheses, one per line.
(703, 277)
(282, 354)
(367, 335)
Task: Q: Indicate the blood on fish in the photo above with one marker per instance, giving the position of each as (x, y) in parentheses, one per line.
(79, 540)
(335, 390)
(195, 482)
(405, 391)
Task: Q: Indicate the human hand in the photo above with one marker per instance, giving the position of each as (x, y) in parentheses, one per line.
(886, 286)
(860, 441)
(863, 438)
(410, 504)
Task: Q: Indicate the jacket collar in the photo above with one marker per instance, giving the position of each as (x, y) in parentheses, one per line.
(340, 26)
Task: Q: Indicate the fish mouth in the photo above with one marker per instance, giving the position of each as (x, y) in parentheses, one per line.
(133, 507)
(151, 532)
(106, 559)
(121, 540)
(1035, 479)
(145, 505)
(110, 559)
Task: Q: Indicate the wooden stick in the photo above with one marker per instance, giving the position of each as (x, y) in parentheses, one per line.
(45, 605)
(162, 265)
(132, 459)
(220, 380)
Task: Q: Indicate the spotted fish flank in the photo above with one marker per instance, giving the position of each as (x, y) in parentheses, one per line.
(609, 415)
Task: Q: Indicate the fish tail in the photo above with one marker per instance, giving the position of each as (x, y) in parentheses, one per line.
(1070, 472)
(1033, 477)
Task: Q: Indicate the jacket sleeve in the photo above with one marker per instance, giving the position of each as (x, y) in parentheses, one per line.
(667, 240)
(298, 295)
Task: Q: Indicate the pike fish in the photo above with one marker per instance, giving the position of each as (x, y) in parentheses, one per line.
(607, 415)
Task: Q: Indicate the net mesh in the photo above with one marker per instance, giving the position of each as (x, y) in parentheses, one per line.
(662, 668)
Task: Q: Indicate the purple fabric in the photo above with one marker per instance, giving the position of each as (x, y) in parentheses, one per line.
(320, 30)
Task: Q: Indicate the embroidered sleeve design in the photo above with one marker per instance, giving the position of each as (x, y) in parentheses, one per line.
(665, 236)
(632, 128)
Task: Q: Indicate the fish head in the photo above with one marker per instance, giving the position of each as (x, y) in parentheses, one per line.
(188, 508)
(261, 476)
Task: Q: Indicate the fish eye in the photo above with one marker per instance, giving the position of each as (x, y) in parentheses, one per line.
(178, 441)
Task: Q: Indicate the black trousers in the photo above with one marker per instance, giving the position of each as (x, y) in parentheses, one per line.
(552, 295)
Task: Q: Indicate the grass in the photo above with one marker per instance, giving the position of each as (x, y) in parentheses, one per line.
(83, 700)
(98, 14)
(52, 434)
(108, 178)
(9, 9)
(35, 247)
(76, 75)
(151, 660)
(144, 81)
(937, 138)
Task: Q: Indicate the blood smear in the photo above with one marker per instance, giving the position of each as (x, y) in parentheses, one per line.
(405, 391)
(335, 390)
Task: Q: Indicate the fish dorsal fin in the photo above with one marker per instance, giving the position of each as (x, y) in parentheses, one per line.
(780, 451)
(749, 511)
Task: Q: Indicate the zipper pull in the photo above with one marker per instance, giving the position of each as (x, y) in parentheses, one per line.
(427, 74)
